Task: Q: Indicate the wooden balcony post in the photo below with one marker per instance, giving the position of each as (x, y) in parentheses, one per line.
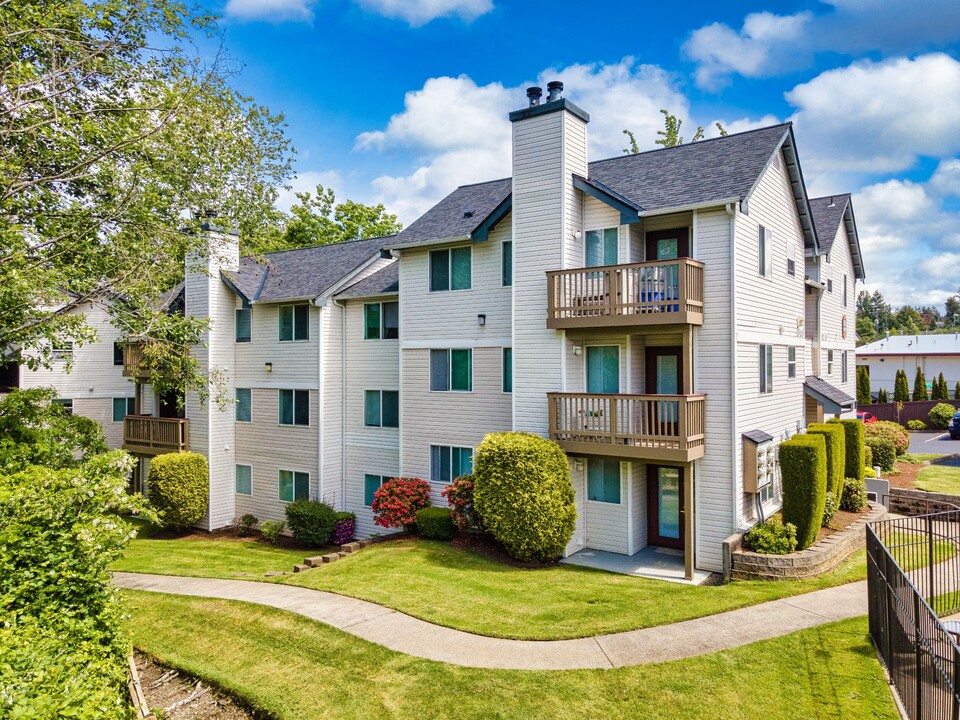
(552, 402)
(686, 381)
(689, 526)
(682, 270)
(612, 418)
(682, 425)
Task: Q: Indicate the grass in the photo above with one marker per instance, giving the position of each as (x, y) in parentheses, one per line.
(203, 557)
(291, 668)
(918, 458)
(939, 478)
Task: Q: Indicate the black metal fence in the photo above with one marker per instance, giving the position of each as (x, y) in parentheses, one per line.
(913, 577)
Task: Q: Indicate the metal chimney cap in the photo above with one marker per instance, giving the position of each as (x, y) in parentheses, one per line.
(554, 87)
(533, 95)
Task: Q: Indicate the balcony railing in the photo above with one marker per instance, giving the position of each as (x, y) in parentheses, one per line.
(646, 427)
(665, 292)
(133, 360)
(148, 435)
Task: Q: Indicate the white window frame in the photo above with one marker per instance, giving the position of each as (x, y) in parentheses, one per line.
(294, 399)
(829, 362)
(380, 391)
(767, 485)
(302, 472)
(236, 324)
(620, 478)
(792, 362)
(450, 449)
(765, 356)
(764, 252)
(249, 494)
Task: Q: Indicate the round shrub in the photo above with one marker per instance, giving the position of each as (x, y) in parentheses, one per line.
(523, 493)
(853, 446)
(772, 537)
(894, 432)
(178, 488)
(435, 523)
(271, 530)
(941, 414)
(835, 441)
(917, 425)
(883, 452)
(803, 473)
(459, 495)
(311, 521)
(854, 495)
(245, 524)
(830, 507)
(395, 503)
(343, 528)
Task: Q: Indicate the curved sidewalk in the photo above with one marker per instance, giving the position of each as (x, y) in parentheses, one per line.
(411, 636)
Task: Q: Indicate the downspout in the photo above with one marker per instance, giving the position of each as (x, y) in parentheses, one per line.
(732, 213)
(343, 403)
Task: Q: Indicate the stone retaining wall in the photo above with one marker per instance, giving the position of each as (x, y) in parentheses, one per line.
(820, 557)
(920, 502)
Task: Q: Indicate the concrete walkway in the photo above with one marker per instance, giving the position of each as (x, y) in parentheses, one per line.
(419, 638)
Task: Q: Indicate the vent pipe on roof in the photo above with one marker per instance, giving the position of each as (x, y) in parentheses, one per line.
(554, 88)
(832, 204)
(533, 95)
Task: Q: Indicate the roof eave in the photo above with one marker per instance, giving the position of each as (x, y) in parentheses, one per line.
(629, 211)
(230, 284)
(430, 243)
(482, 231)
(853, 238)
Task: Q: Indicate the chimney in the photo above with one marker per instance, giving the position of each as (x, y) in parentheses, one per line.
(533, 95)
(554, 88)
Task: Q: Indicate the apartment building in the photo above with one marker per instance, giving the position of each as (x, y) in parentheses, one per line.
(667, 317)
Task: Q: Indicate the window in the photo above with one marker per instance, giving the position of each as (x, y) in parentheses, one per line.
(829, 362)
(506, 263)
(242, 316)
(766, 369)
(843, 366)
(603, 480)
(244, 480)
(372, 483)
(791, 258)
(601, 247)
(244, 411)
(293, 486)
(508, 370)
(123, 407)
(451, 370)
(118, 353)
(63, 351)
(66, 404)
(381, 321)
(381, 408)
(294, 322)
(447, 463)
(829, 285)
(791, 362)
(844, 290)
(764, 242)
(450, 269)
(294, 407)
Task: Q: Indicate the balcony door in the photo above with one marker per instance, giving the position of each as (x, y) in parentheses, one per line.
(664, 377)
(668, 244)
(665, 506)
(603, 369)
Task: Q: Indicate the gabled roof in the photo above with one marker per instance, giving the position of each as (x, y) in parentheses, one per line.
(940, 344)
(302, 273)
(832, 398)
(458, 215)
(828, 213)
(382, 282)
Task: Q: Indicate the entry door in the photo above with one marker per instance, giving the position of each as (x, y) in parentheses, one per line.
(668, 244)
(665, 506)
(665, 377)
(603, 369)
(167, 406)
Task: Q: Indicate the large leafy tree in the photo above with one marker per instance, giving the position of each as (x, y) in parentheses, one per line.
(670, 135)
(115, 136)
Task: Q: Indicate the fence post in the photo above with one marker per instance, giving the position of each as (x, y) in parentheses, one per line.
(956, 685)
(931, 590)
(918, 674)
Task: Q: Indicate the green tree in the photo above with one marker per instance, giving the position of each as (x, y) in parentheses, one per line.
(920, 386)
(882, 396)
(909, 321)
(116, 135)
(863, 385)
(670, 135)
(901, 388)
(944, 390)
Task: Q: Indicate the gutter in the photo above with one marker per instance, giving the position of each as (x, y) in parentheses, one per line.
(343, 402)
(731, 209)
(430, 243)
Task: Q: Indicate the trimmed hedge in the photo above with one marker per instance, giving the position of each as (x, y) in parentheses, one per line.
(178, 488)
(853, 446)
(311, 521)
(894, 432)
(941, 414)
(867, 457)
(435, 523)
(835, 438)
(523, 493)
(803, 471)
(883, 451)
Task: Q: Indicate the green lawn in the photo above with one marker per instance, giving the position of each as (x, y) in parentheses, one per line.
(203, 557)
(939, 478)
(292, 668)
(917, 458)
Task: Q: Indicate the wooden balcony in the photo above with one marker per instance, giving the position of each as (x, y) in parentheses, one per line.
(665, 292)
(148, 435)
(133, 361)
(645, 427)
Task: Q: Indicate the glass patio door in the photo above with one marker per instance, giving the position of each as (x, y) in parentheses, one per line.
(603, 369)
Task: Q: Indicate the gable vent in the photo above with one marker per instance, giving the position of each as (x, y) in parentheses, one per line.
(776, 161)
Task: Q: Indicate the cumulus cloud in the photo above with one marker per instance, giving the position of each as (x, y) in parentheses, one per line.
(946, 179)
(875, 117)
(306, 182)
(271, 10)
(420, 12)
(460, 132)
(768, 44)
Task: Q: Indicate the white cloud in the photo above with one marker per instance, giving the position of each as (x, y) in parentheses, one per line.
(946, 179)
(306, 182)
(271, 10)
(877, 117)
(943, 266)
(744, 124)
(420, 12)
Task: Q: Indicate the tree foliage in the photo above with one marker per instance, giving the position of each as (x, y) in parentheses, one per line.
(901, 387)
(670, 135)
(920, 386)
(863, 385)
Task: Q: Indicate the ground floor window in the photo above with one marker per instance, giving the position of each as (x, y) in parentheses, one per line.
(244, 480)
(372, 483)
(603, 480)
(447, 463)
(293, 485)
(66, 404)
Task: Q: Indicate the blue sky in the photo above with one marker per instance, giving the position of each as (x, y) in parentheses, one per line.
(400, 101)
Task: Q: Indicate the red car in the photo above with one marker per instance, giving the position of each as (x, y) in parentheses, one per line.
(866, 417)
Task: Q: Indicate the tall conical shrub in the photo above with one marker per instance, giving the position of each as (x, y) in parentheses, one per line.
(863, 385)
(944, 390)
(920, 386)
(883, 398)
(956, 391)
(901, 389)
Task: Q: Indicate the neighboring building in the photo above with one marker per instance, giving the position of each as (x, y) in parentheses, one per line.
(659, 315)
(934, 354)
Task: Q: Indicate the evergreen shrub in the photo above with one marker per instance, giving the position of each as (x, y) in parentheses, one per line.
(884, 454)
(941, 414)
(868, 457)
(835, 442)
(436, 523)
(803, 471)
(854, 495)
(772, 537)
(178, 488)
(853, 446)
(310, 521)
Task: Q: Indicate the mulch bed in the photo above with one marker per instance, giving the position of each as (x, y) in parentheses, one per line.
(905, 477)
(841, 521)
(164, 688)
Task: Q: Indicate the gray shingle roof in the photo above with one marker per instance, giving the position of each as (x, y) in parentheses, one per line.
(301, 273)
(449, 218)
(827, 395)
(827, 216)
(381, 282)
(758, 436)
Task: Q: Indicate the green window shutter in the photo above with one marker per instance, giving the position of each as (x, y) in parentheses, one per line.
(603, 480)
(301, 410)
(371, 408)
(285, 490)
(461, 370)
(243, 325)
(506, 263)
(460, 268)
(371, 321)
(244, 480)
(440, 270)
(286, 323)
(439, 369)
(286, 407)
(119, 409)
(391, 408)
(391, 320)
(508, 369)
(371, 483)
(301, 488)
(244, 405)
(301, 322)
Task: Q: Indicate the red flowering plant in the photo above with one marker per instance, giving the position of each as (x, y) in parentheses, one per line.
(396, 502)
(459, 495)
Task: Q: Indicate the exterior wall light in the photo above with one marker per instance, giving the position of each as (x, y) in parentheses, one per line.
(481, 319)
(268, 366)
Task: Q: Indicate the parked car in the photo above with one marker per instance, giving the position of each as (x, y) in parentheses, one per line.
(867, 418)
(955, 427)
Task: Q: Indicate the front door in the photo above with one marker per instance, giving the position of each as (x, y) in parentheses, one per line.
(665, 506)
(603, 369)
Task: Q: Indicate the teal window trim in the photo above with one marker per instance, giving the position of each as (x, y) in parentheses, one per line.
(293, 485)
(451, 269)
(243, 412)
(603, 480)
(294, 323)
(242, 318)
(451, 370)
(507, 370)
(293, 407)
(448, 462)
(372, 314)
(123, 407)
(506, 263)
(243, 484)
